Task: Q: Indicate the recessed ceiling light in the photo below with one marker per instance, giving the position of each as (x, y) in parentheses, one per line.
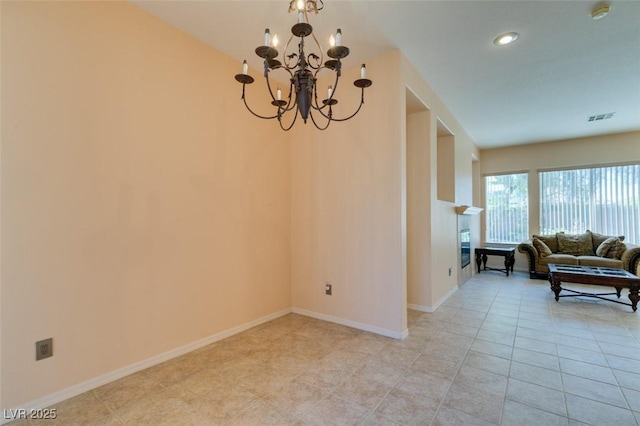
(600, 11)
(506, 38)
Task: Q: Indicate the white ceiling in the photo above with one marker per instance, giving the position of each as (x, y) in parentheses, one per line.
(564, 68)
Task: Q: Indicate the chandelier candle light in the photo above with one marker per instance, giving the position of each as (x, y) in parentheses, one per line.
(303, 70)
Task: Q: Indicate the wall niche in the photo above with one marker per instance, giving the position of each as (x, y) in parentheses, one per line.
(446, 163)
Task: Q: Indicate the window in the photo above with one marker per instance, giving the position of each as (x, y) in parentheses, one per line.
(507, 208)
(604, 200)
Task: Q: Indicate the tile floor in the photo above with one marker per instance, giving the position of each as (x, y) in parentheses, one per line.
(499, 351)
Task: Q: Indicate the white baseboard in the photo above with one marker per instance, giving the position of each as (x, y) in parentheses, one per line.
(432, 309)
(420, 308)
(352, 324)
(75, 390)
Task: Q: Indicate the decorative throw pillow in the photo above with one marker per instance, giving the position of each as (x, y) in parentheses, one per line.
(599, 238)
(542, 248)
(577, 245)
(616, 251)
(550, 241)
(606, 245)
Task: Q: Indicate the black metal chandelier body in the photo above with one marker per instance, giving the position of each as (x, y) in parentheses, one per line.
(302, 98)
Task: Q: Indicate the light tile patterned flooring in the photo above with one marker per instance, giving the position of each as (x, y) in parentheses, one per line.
(499, 351)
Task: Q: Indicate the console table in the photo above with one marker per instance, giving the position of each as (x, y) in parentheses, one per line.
(509, 254)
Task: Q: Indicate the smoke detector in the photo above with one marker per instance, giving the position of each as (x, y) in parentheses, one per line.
(600, 11)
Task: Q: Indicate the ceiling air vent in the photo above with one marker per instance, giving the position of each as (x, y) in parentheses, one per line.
(601, 117)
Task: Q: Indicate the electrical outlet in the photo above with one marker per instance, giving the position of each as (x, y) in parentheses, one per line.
(327, 288)
(44, 348)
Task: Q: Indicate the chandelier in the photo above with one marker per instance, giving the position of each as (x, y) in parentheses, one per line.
(303, 69)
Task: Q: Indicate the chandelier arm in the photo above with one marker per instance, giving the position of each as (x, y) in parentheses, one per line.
(290, 105)
(266, 77)
(313, 120)
(287, 58)
(349, 117)
(319, 61)
(314, 104)
(286, 129)
(283, 108)
(244, 99)
(333, 92)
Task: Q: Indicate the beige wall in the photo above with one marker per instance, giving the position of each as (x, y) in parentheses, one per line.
(140, 211)
(347, 209)
(598, 150)
(442, 238)
(140, 221)
(607, 149)
(446, 161)
(418, 208)
(355, 196)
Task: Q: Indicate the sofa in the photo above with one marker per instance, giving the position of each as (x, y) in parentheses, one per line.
(589, 249)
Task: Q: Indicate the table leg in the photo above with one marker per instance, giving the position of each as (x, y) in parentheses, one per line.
(618, 291)
(507, 263)
(478, 260)
(484, 261)
(555, 287)
(634, 297)
(512, 261)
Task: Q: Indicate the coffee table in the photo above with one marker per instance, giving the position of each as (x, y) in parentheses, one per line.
(591, 275)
